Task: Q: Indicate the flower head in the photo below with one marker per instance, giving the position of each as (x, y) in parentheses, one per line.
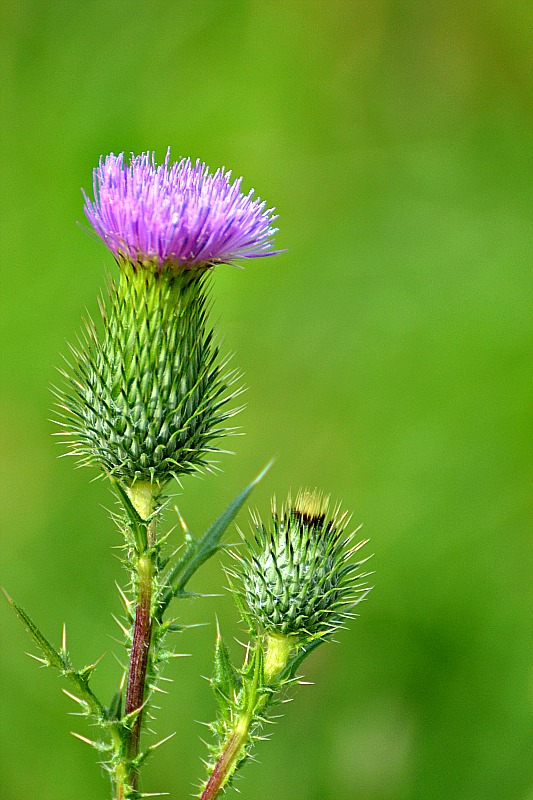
(176, 214)
(298, 579)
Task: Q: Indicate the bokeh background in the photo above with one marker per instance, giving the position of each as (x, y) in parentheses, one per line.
(386, 355)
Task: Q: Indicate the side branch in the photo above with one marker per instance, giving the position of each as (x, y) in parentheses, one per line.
(227, 762)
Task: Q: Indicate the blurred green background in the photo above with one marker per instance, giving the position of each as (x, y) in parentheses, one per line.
(386, 355)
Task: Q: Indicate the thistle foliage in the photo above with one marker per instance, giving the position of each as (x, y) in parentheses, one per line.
(110, 726)
(145, 400)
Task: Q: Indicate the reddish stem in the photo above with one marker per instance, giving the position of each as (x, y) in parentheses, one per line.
(140, 651)
(142, 635)
(223, 767)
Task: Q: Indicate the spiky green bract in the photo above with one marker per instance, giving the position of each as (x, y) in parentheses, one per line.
(297, 578)
(146, 400)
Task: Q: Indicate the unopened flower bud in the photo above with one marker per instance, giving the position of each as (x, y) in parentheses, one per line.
(297, 579)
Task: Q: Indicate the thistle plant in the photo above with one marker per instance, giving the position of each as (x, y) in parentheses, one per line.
(146, 398)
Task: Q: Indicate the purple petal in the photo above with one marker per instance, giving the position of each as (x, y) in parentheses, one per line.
(179, 214)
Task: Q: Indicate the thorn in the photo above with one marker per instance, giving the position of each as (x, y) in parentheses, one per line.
(117, 641)
(42, 661)
(84, 738)
(73, 697)
(87, 671)
(179, 655)
(93, 666)
(64, 640)
(122, 627)
(158, 744)
(200, 624)
(126, 602)
(119, 662)
(155, 688)
(8, 598)
(183, 524)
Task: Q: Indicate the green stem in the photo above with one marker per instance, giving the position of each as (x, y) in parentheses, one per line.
(120, 775)
(277, 651)
(227, 762)
(275, 655)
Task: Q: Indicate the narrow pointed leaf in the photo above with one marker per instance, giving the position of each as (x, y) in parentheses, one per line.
(200, 550)
(49, 652)
(225, 681)
(55, 659)
(115, 709)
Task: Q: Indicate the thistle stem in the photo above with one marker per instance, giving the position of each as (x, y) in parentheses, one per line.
(140, 650)
(275, 655)
(142, 497)
(277, 650)
(228, 759)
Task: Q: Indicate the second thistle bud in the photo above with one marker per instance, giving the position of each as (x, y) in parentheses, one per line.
(298, 580)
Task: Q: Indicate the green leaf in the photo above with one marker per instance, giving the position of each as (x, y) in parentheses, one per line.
(51, 655)
(115, 709)
(54, 659)
(200, 550)
(225, 681)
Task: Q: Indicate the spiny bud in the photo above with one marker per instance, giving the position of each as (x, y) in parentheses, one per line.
(298, 580)
(146, 400)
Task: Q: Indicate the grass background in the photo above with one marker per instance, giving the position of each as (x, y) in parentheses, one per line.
(387, 355)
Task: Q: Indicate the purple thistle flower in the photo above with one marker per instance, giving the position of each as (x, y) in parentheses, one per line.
(178, 215)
